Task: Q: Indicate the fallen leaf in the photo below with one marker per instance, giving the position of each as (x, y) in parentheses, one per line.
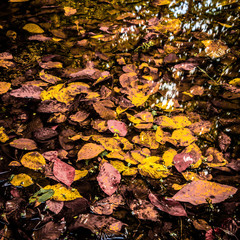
(3, 136)
(108, 178)
(27, 91)
(167, 205)
(4, 87)
(197, 192)
(54, 206)
(22, 180)
(63, 172)
(90, 150)
(62, 193)
(24, 144)
(79, 116)
(69, 11)
(33, 28)
(215, 49)
(182, 161)
(117, 127)
(168, 157)
(183, 137)
(49, 78)
(33, 160)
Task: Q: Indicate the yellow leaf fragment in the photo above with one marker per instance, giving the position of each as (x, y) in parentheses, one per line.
(160, 135)
(168, 157)
(33, 28)
(61, 193)
(177, 187)
(130, 171)
(90, 150)
(33, 160)
(21, 179)
(235, 82)
(147, 139)
(191, 176)
(109, 144)
(168, 25)
(3, 136)
(153, 170)
(80, 174)
(68, 11)
(4, 87)
(119, 165)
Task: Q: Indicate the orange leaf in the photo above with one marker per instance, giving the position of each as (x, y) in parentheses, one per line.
(90, 150)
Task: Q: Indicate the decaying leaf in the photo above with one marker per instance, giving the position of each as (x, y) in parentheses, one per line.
(24, 143)
(90, 150)
(62, 193)
(197, 192)
(27, 91)
(167, 205)
(108, 178)
(22, 179)
(33, 160)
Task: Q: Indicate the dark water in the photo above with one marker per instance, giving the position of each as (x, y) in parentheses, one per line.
(203, 36)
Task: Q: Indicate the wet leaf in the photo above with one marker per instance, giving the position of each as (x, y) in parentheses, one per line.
(224, 141)
(107, 205)
(96, 222)
(4, 87)
(27, 91)
(63, 172)
(197, 192)
(24, 143)
(215, 158)
(50, 231)
(90, 150)
(168, 205)
(49, 78)
(235, 82)
(33, 160)
(167, 25)
(3, 136)
(147, 139)
(22, 180)
(143, 209)
(168, 157)
(117, 127)
(33, 28)
(108, 178)
(62, 193)
(182, 161)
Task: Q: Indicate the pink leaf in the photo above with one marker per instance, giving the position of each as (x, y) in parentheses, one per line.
(63, 172)
(108, 178)
(55, 206)
(27, 91)
(169, 206)
(117, 127)
(182, 161)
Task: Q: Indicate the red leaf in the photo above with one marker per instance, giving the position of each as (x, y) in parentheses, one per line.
(63, 172)
(117, 127)
(108, 178)
(169, 206)
(182, 161)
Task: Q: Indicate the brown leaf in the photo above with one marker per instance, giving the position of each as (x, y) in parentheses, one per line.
(52, 106)
(224, 141)
(23, 143)
(49, 231)
(50, 65)
(79, 116)
(54, 206)
(108, 178)
(45, 133)
(27, 91)
(197, 192)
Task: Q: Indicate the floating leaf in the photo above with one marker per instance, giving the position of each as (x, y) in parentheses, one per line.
(167, 205)
(197, 192)
(33, 160)
(117, 127)
(4, 87)
(33, 28)
(21, 179)
(3, 136)
(62, 193)
(24, 143)
(108, 178)
(90, 150)
(63, 172)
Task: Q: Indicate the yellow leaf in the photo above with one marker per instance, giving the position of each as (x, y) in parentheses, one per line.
(33, 160)
(68, 11)
(168, 157)
(181, 121)
(147, 139)
(149, 160)
(61, 193)
(138, 98)
(117, 155)
(153, 170)
(235, 82)
(4, 87)
(98, 36)
(90, 150)
(166, 25)
(191, 176)
(120, 110)
(80, 174)
(109, 144)
(160, 136)
(3, 136)
(126, 144)
(21, 179)
(177, 187)
(51, 92)
(225, 25)
(183, 136)
(120, 166)
(33, 28)
(215, 49)
(130, 171)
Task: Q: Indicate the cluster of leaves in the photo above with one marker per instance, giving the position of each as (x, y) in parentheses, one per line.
(122, 127)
